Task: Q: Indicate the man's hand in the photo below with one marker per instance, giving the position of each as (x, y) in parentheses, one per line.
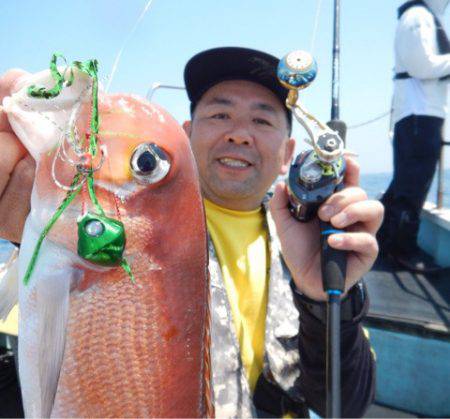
(16, 170)
(348, 209)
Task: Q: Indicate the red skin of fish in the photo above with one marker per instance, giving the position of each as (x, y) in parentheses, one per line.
(138, 349)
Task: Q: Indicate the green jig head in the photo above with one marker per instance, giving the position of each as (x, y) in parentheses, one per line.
(101, 240)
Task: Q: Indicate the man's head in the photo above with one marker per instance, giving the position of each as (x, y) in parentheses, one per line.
(240, 128)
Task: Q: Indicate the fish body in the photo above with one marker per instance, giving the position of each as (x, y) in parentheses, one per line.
(93, 343)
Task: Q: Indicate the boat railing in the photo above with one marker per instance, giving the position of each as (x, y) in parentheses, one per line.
(158, 85)
(440, 178)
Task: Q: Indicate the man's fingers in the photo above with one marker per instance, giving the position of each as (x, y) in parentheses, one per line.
(15, 201)
(8, 85)
(4, 123)
(12, 151)
(368, 212)
(351, 177)
(363, 243)
(8, 81)
(340, 200)
(279, 200)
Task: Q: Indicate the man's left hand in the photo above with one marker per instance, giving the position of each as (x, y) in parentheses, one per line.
(348, 209)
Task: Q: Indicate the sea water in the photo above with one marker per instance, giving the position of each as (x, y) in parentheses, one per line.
(374, 184)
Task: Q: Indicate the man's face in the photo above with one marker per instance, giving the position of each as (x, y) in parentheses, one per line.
(239, 136)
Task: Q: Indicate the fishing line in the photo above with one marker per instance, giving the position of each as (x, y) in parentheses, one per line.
(316, 24)
(69, 188)
(119, 54)
(369, 121)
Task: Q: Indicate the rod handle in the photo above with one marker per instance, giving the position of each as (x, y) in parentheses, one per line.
(333, 261)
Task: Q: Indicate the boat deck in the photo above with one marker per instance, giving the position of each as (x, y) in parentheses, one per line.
(409, 325)
(418, 302)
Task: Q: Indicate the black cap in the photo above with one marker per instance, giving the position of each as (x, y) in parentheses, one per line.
(213, 66)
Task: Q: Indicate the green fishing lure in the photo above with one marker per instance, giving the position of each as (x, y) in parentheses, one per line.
(101, 239)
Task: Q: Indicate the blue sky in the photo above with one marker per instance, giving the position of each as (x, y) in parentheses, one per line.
(174, 30)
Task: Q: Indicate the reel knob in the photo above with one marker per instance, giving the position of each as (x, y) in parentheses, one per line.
(297, 70)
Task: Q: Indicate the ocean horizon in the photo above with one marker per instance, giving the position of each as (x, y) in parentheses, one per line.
(374, 184)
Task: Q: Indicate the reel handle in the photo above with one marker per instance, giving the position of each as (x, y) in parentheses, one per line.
(339, 126)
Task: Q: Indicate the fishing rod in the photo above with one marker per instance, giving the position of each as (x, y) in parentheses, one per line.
(335, 123)
(336, 261)
(313, 177)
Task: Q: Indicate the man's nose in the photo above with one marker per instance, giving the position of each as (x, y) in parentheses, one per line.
(240, 134)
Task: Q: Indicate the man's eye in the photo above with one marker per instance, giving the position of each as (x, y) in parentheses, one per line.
(220, 116)
(262, 121)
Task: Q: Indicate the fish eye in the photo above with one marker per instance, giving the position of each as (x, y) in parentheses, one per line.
(149, 163)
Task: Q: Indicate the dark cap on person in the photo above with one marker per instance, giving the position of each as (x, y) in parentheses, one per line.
(210, 67)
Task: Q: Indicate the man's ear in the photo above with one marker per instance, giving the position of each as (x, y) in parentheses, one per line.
(187, 126)
(288, 154)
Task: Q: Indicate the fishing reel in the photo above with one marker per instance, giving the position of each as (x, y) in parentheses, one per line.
(317, 173)
(314, 176)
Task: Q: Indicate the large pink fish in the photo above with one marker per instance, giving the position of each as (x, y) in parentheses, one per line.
(91, 342)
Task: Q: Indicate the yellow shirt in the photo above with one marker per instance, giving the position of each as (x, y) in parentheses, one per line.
(10, 325)
(241, 243)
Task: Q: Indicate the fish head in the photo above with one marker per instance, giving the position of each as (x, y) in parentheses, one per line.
(142, 163)
(144, 172)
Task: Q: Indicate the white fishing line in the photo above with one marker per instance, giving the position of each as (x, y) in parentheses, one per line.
(370, 121)
(316, 25)
(130, 35)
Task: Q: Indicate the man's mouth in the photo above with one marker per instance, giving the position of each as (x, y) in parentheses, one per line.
(235, 163)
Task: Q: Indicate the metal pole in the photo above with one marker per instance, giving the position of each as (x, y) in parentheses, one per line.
(157, 85)
(440, 186)
(336, 57)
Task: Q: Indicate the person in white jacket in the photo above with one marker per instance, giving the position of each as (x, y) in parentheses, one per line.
(422, 71)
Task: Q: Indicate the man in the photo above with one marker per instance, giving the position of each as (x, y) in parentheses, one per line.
(422, 66)
(264, 360)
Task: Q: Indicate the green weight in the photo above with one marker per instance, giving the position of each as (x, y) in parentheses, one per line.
(101, 240)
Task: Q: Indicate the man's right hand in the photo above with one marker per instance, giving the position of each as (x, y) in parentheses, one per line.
(17, 169)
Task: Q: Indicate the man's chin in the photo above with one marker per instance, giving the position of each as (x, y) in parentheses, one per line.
(234, 190)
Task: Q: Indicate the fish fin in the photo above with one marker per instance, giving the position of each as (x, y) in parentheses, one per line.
(53, 297)
(40, 123)
(9, 287)
(44, 310)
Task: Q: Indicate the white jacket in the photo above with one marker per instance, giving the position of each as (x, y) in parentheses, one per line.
(416, 52)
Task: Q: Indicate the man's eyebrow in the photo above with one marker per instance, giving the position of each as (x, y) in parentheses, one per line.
(220, 100)
(264, 107)
(217, 100)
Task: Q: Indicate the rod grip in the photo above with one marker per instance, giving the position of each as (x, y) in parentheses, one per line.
(333, 261)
